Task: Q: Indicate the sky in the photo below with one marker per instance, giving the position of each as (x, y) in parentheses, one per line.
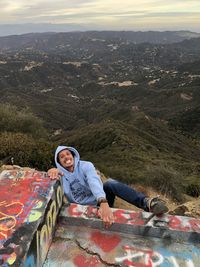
(106, 14)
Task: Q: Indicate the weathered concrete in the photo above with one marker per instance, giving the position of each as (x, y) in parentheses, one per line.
(135, 239)
(29, 204)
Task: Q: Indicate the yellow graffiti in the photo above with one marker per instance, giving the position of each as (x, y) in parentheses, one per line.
(12, 258)
(8, 222)
(44, 242)
(4, 235)
(33, 216)
(38, 204)
(59, 196)
(43, 237)
(51, 217)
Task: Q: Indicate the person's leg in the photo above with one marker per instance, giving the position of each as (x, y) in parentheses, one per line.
(114, 188)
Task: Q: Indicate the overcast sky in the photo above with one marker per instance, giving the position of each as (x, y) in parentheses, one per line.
(106, 14)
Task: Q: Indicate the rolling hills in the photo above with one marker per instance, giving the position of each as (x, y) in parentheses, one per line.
(129, 105)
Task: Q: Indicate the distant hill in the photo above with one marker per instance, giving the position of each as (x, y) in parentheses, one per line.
(51, 39)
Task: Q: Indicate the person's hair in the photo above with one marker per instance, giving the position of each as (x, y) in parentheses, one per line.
(72, 152)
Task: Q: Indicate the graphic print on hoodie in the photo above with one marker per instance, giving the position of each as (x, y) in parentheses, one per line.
(79, 191)
(83, 185)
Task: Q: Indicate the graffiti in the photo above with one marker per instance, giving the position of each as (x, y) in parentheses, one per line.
(30, 262)
(83, 211)
(44, 235)
(23, 199)
(185, 224)
(188, 262)
(75, 245)
(106, 242)
(82, 261)
(123, 216)
(144, 257)
(8, 214)
(146, 251)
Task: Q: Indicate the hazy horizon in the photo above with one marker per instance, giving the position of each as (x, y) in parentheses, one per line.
(18, 29)
(157, 15)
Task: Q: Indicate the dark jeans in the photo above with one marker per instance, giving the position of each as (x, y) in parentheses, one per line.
(114, 188)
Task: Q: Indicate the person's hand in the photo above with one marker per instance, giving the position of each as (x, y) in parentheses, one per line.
(54, 173)
(105, 213)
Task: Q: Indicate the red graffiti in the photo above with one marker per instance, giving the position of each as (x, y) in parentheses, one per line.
(106, 241)
(175, 223)
(119, 216)
(91, 212)
(195, 225)
(144, 257)
(73, 210)
(19, 193)
(185, 225)
(8, 214)
(82, 261)
(78, 210)
(122, 216)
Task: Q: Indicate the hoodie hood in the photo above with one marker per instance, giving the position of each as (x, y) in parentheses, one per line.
(71, 149)
(83, 185)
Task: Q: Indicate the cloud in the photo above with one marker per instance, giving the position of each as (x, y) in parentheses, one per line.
(111, 12)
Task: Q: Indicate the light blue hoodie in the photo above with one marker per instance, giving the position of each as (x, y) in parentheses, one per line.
(83, 185)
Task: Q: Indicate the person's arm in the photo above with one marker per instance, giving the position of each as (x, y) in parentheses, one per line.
(106, 214)
(96, 187)
(54, 173)
(94, 180)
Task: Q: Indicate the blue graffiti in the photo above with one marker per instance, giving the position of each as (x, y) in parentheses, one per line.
(181, 254)
(30, 261)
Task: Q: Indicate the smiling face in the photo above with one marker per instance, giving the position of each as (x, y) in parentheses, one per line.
(66, 160)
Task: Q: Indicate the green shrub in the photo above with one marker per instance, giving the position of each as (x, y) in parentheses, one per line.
(166, 181)
(25, 151)
(193, 190)
(13, 120)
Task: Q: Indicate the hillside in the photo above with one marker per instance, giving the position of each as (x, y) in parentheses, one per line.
(144, 151)
(94, 79)
(131, 107)
(37, 40)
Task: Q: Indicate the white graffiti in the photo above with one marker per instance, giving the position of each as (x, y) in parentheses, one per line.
(173, 261)
(148, 257)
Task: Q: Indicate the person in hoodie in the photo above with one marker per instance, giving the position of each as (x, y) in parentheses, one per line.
(82, 185)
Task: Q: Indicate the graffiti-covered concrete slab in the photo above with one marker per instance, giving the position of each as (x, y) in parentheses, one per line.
(135, 239)
(29, 204)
